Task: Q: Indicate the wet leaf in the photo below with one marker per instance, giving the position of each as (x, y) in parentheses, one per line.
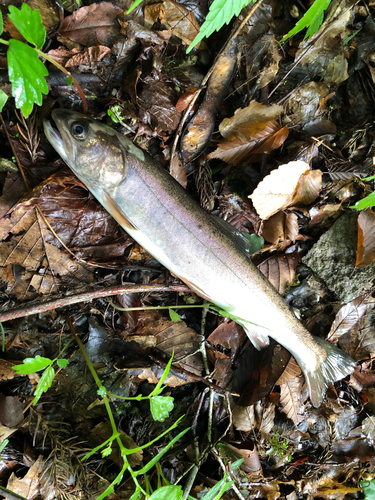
(32, 365)
(366, 238)
(93, 25)
(26, 72)
(29, 24)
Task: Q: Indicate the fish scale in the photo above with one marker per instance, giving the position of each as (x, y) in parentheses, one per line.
(210, 256)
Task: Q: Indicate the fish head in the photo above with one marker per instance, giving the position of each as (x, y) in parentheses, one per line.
(94, 152)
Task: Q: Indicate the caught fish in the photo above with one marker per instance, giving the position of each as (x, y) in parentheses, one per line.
(205, 252)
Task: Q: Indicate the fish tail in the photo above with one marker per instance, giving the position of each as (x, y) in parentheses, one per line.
(335, 366)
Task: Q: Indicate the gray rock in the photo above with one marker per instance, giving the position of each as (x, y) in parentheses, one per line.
(333, 257)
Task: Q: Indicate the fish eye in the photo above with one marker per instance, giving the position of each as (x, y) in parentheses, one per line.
(79, 131)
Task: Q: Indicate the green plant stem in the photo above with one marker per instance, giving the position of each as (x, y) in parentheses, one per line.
(61, 68)
(67, 73)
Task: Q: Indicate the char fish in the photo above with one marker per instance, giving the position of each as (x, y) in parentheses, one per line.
(205, 252)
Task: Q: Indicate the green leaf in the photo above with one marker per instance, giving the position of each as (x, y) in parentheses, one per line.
(172, 492)
(221, 12)
(157, 457)
(312, 19)
(221, 487)
(62, 363)
(3, 445)
(1, 23)
(174, 316)
(372, 177)
(32, 365)
(256, 242)
(136, 495)
(158, 389)
(29, 24)
(160, 407)
(3, 99)
(44, 383)
(368, 489)
(237, 463)
(26, 72)
(367, 202)
(69, 80)
(134, 5)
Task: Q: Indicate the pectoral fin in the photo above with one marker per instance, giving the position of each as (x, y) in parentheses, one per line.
(117, 213)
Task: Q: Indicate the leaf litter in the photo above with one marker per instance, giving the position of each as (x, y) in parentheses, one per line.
(289, 129)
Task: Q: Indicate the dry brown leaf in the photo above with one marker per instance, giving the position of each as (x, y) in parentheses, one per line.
(170, 337)
(281, 230)
(366, 238)
(278, 190)
(251, 462)
(267, 417)
(368, 427)
(309, 185)
(322, 214)
(248, 140)
(178, 171)
(88, 56)
(62, 55)
(291, 371)
(244, 418)
(28, 486)
(291, 401)
(255, 113)
(349, 316)
(280, 270)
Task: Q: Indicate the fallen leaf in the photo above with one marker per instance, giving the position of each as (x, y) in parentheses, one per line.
(281, 230)
(349, 316)
(291, 400)
(366, 238)
(88, 56)
(255, 113)
(178, 171)
(92, 25)
(280, 270)
(285, 186)
(28, 486)
(249, 140)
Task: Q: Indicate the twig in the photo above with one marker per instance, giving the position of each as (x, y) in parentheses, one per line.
(33, 308)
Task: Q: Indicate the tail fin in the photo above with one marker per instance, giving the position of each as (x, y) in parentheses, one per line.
(334, 367)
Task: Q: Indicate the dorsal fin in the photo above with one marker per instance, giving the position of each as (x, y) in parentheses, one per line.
(247, 245)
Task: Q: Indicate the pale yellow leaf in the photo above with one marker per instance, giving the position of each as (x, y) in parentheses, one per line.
(276, 191)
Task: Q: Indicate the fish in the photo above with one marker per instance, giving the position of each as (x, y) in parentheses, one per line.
(204, 251)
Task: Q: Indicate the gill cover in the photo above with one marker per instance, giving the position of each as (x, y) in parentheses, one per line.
(92, 150)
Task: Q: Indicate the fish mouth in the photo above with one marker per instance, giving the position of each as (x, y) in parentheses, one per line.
(54, 137)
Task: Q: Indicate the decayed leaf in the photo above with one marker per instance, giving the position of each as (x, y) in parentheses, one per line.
(368, 427)
(281, 230)
(280, 270)
(292, 370)
(349, 316)
(156, 101)
(244, 418)
(366, 238)
(11, 410)
(290, 184)
(249, 140)
(88, 56)
(170, 337)
(291, 399)
(267, 415)
(28, 486)
(322, 214)
(251, 462)
(93, 25)
(255, 113)
(309, 185)
(178, 171)
(180, 20)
